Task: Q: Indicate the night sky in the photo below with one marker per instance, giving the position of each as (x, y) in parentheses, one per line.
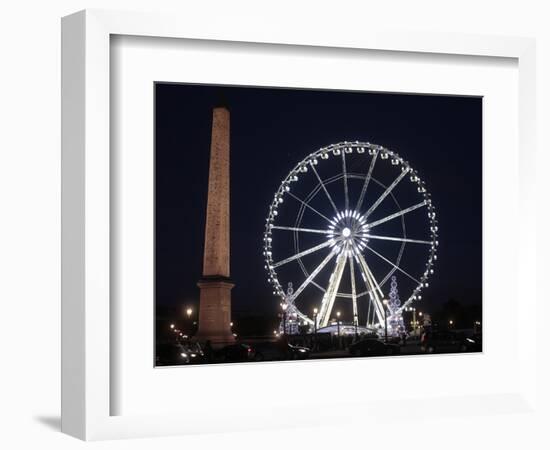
(273, 129)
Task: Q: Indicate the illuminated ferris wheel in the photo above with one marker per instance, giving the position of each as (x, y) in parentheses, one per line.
(347, 219)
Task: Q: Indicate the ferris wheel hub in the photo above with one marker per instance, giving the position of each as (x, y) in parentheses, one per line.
(349, 229)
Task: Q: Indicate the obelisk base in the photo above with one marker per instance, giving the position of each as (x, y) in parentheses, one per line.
(215, 311)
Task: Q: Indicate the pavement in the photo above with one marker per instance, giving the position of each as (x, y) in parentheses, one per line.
(412, 348)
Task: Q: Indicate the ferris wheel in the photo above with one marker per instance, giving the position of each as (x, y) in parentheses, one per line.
(345, 220)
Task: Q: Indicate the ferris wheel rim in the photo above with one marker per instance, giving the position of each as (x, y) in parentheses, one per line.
(360, 147)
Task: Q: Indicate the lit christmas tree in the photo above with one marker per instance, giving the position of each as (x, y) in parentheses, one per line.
(396, 326)
(290, 319)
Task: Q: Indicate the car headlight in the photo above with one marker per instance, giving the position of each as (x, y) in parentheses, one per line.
(471, 340)
(193, 355)
(184, 355)
(302, 350)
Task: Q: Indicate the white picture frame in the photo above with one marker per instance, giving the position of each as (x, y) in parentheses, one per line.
(86, 246)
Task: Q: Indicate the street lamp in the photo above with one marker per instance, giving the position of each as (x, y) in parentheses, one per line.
(338, 325)
(172, 326)
(315, 313)
(450, 323)
(414, 321)
(189, 313)
(385, 301)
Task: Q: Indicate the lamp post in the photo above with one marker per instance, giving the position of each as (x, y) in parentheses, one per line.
(414, 321)
(189, 312)
(385, 302)
(450, 324)
(338, 325)
(315, 312)
(477, 326)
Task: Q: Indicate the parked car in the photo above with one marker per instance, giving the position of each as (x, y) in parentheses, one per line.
(441, 342)
(471, 343)
(171, 354)
(279, 350)
(299, 352)
(235, 353)
(373, 347)
(194, 352)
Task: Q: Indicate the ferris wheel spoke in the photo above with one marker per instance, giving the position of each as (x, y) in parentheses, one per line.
(386, 193)
(303, 253)
(366, 183)
(375, 292)
(398, 239)
(325, 189)
(303, 230)
(368, 314)
(353, 290)
(392, 264)
(332, 290)
(397, 214)
(313, 274)
(344, 172)
(370, 303)
(308, 206)
(367, 273)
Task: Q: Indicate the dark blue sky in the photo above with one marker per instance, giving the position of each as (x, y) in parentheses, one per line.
(273, 129)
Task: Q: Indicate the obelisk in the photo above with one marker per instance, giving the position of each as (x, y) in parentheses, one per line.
(215, 284)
